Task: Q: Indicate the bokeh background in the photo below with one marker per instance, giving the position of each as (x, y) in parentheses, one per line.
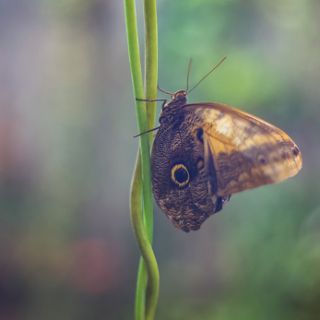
(67, 153)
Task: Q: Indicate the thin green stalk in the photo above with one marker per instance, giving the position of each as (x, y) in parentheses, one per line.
(142, 211)
(151, 75)
(149, 262)
(140, 301)
(136, 209)
(151, 82)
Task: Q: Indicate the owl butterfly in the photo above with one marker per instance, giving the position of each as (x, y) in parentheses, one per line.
(205, 152)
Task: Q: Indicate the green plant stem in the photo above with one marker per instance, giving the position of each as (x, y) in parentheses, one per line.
(141, 194)
(151, 81)
(151, 62)
(149, 262)
(136, 208)
(140, 301)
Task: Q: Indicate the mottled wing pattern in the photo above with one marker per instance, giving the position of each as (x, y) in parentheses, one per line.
(247, 151)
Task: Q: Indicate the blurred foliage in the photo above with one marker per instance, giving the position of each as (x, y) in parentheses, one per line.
(67, 153)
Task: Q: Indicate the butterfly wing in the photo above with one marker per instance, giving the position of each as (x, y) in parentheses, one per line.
(246, 151)
(183, 186)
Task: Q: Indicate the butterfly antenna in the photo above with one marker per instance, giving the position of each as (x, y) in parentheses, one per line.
(206, 75)
(148, 131)
(188, 74)
(164, 91)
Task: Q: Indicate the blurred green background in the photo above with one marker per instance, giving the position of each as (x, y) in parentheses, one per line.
(67, 153)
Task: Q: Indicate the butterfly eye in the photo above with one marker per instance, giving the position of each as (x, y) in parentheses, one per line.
(180, 175)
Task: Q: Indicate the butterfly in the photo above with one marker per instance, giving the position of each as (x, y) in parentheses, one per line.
(205, 152)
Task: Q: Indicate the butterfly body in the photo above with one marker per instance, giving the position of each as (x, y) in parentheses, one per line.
(205, 152)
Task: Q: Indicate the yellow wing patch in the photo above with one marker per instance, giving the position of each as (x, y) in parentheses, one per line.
(247, 151)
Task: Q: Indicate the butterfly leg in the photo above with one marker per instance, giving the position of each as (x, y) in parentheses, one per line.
(164, 101)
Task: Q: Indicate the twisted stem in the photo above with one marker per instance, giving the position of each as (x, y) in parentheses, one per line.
(147, 290)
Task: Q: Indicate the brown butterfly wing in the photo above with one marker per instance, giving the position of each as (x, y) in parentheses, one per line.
(246, 151)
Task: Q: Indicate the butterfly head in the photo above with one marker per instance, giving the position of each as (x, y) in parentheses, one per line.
(180, 95)
(178, 98)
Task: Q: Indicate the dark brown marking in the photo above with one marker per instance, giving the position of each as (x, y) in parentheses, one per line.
(262, 160)
(295, 151)
(212, 174)
(200, 134)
